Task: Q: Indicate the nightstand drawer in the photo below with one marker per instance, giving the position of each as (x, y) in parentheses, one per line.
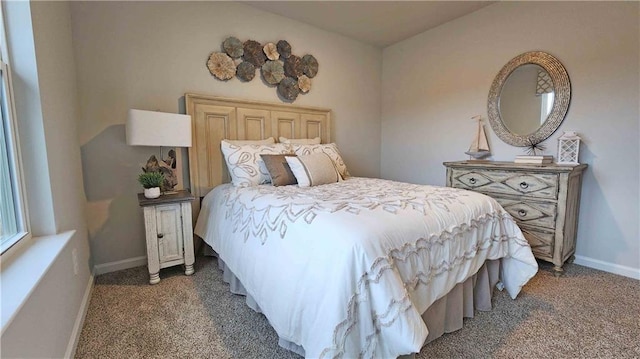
(541, 241)
(537, 185)
(542, 214)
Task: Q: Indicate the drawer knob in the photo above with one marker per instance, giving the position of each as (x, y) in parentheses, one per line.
(472, 180)
(524, 185)
(522, 213)
(160, 235)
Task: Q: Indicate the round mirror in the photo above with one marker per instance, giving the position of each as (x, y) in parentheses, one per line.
(526, 99)
(529, 99)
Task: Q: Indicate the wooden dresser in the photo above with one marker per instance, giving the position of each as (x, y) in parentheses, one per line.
(543, 199)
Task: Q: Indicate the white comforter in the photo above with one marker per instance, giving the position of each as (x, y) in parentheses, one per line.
(347, 269)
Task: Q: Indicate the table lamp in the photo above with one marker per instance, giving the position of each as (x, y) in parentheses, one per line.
(152, 128)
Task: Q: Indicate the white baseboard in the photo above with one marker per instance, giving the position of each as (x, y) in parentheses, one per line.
(77, 327)
(119, 265)
(608, 267)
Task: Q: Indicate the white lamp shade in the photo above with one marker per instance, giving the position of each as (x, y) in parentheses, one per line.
(151, 128)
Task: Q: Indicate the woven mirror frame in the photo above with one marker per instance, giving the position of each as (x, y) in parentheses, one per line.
(562, 97)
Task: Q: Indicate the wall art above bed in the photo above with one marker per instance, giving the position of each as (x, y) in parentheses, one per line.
(290, 74)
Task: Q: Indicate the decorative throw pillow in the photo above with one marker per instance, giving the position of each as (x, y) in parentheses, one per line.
(243, 162)
(330, 149)
(300, 141)
(313, 170)
(266, 141)
(279, 170)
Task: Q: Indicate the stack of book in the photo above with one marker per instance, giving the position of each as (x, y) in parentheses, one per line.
(537, 160)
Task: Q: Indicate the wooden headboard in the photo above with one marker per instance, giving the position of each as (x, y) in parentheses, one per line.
(217, 118)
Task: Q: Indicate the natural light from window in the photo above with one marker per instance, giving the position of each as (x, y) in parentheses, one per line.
(546, 100)
(8, 223)
(13, 219)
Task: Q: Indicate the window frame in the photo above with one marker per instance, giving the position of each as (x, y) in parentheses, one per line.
(10, 126)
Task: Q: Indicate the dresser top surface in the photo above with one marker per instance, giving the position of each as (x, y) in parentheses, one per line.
(503, 165)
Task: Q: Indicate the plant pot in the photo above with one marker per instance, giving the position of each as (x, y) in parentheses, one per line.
(153, 192)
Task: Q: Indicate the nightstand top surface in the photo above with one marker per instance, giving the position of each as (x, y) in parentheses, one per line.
(168, 197)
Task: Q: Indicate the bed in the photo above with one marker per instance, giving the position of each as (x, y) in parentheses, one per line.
(357, 268)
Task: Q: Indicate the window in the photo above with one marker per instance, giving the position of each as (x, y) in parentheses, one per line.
(13, 219)
(546, 100)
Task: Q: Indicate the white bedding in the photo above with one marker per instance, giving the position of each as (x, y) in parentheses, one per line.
(347, 269)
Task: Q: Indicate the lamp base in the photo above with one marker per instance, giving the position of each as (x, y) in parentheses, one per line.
(165, 167)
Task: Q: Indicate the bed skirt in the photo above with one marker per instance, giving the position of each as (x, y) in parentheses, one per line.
(444, 316)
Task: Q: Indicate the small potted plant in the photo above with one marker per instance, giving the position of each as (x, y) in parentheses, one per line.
(151, 181)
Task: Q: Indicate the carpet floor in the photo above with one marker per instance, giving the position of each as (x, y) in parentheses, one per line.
(584, 314)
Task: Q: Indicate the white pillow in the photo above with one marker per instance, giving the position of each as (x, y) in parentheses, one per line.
(313, 170)
(266, 141)
(300, 141)
(245, 165)
(330, 149)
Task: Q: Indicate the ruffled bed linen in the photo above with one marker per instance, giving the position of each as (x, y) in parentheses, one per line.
(446, 315)
(348, 269)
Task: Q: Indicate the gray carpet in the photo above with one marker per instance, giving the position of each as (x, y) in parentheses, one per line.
(584, 314)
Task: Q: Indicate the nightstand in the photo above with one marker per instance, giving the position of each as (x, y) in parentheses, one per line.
(169, 233)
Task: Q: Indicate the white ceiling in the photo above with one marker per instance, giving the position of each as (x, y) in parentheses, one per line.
(379, 23)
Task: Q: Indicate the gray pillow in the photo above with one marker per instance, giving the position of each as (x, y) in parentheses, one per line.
(279, 170)
(314, 169)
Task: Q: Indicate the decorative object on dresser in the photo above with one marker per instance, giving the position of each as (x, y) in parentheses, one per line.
(524, 107)
(532, 155)
(533, 146)
(151, 128)
(290, 74)
(169, 233)
(480, 146)
(568, 148)
(543, 199)
(535, 160)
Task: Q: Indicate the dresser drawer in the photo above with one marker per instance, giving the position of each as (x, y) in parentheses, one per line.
(541, 241)
(537, 185)
(541, 214)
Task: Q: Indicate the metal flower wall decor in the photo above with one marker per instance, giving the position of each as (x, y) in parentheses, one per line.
(290, 74)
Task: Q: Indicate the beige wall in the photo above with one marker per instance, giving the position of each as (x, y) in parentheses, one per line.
(426, 110)
(147, 55)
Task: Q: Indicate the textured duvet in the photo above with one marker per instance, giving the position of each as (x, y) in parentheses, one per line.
(347, 269)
